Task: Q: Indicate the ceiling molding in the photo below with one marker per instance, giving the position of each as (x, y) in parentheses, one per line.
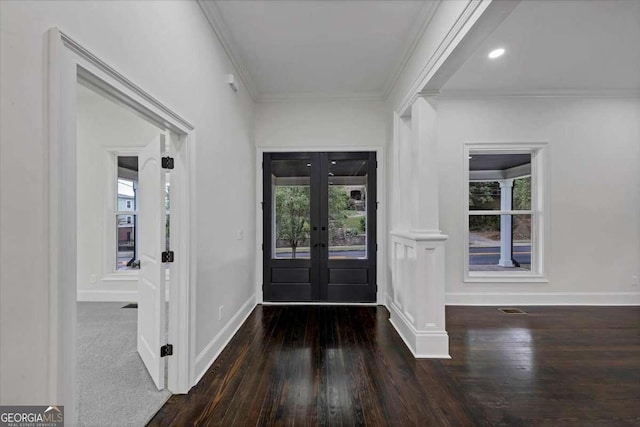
(422, 22)
(216, 21)
(319, 97)
(497, 94)
(467, 18)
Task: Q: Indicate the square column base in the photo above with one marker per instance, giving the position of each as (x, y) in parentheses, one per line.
(422, 344)
(415, 295)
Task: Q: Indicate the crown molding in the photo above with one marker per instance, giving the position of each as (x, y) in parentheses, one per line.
(217, 24)
(422, 22)
(506, 94)
(319, 97)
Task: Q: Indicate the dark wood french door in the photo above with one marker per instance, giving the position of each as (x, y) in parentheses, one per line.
(319, 222)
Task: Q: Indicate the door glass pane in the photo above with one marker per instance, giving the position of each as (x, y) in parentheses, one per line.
(348, 209)
(500, 243)
(126, 237)
(291, 192)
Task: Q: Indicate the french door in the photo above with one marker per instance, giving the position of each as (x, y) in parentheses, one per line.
(319, 222)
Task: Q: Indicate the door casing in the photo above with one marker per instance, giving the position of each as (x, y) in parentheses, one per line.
(68, 63)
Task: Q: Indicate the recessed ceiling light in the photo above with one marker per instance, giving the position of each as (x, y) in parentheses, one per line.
(308, 165)
(496, 53)
(333, 162)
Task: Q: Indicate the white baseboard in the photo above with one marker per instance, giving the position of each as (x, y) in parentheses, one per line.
(210, 353)
(422, 344)
(107, 296)
(539, 298)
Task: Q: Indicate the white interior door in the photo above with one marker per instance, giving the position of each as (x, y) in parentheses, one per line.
(151, 281)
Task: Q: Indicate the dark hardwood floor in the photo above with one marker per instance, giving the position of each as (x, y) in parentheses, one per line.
(304, 365)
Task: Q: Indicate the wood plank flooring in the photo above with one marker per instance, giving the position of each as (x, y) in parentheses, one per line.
(322, 365)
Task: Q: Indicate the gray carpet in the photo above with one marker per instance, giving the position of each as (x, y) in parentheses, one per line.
(114, 388)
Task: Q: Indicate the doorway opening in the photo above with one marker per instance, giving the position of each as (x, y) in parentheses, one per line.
(319, 225)
(122, 214)
(69, 64)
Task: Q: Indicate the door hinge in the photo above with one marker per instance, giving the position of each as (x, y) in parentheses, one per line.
(166, 350)
(262, 205)
(167, 256)
(263, 286)
(167, 163)
(376, 164)
(262, 246)
(376, 247)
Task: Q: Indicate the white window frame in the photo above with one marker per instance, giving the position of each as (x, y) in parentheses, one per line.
(539, 212)
(111, 215)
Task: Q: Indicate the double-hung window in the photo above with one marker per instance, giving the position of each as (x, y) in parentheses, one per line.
(126, 213)
(505, 212)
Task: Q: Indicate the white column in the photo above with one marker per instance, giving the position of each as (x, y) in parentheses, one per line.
(417, 302)
(424, 168)
(506, 203)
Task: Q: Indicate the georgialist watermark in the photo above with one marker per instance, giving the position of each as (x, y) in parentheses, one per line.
(31, 416)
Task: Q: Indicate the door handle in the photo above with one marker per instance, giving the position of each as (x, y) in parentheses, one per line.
(315, 245)
(324, 245)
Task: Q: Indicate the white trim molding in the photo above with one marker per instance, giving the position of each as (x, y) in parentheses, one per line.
(543, 298)
(423, 20)
(214, 17)
(467, 19)
(510, 94)
(211, 351)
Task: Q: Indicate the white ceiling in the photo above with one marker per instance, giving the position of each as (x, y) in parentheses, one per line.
(558, 46)
(318, 48)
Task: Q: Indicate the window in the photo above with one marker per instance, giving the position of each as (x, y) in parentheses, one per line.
(504, 212)
(125, 214)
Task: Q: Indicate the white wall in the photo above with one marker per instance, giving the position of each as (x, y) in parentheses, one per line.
(169, 50)
(102, 127)
(594, 194)
(321, 124)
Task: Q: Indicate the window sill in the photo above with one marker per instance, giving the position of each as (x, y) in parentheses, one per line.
(505, 278)
(119, 276)
(128, 275)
